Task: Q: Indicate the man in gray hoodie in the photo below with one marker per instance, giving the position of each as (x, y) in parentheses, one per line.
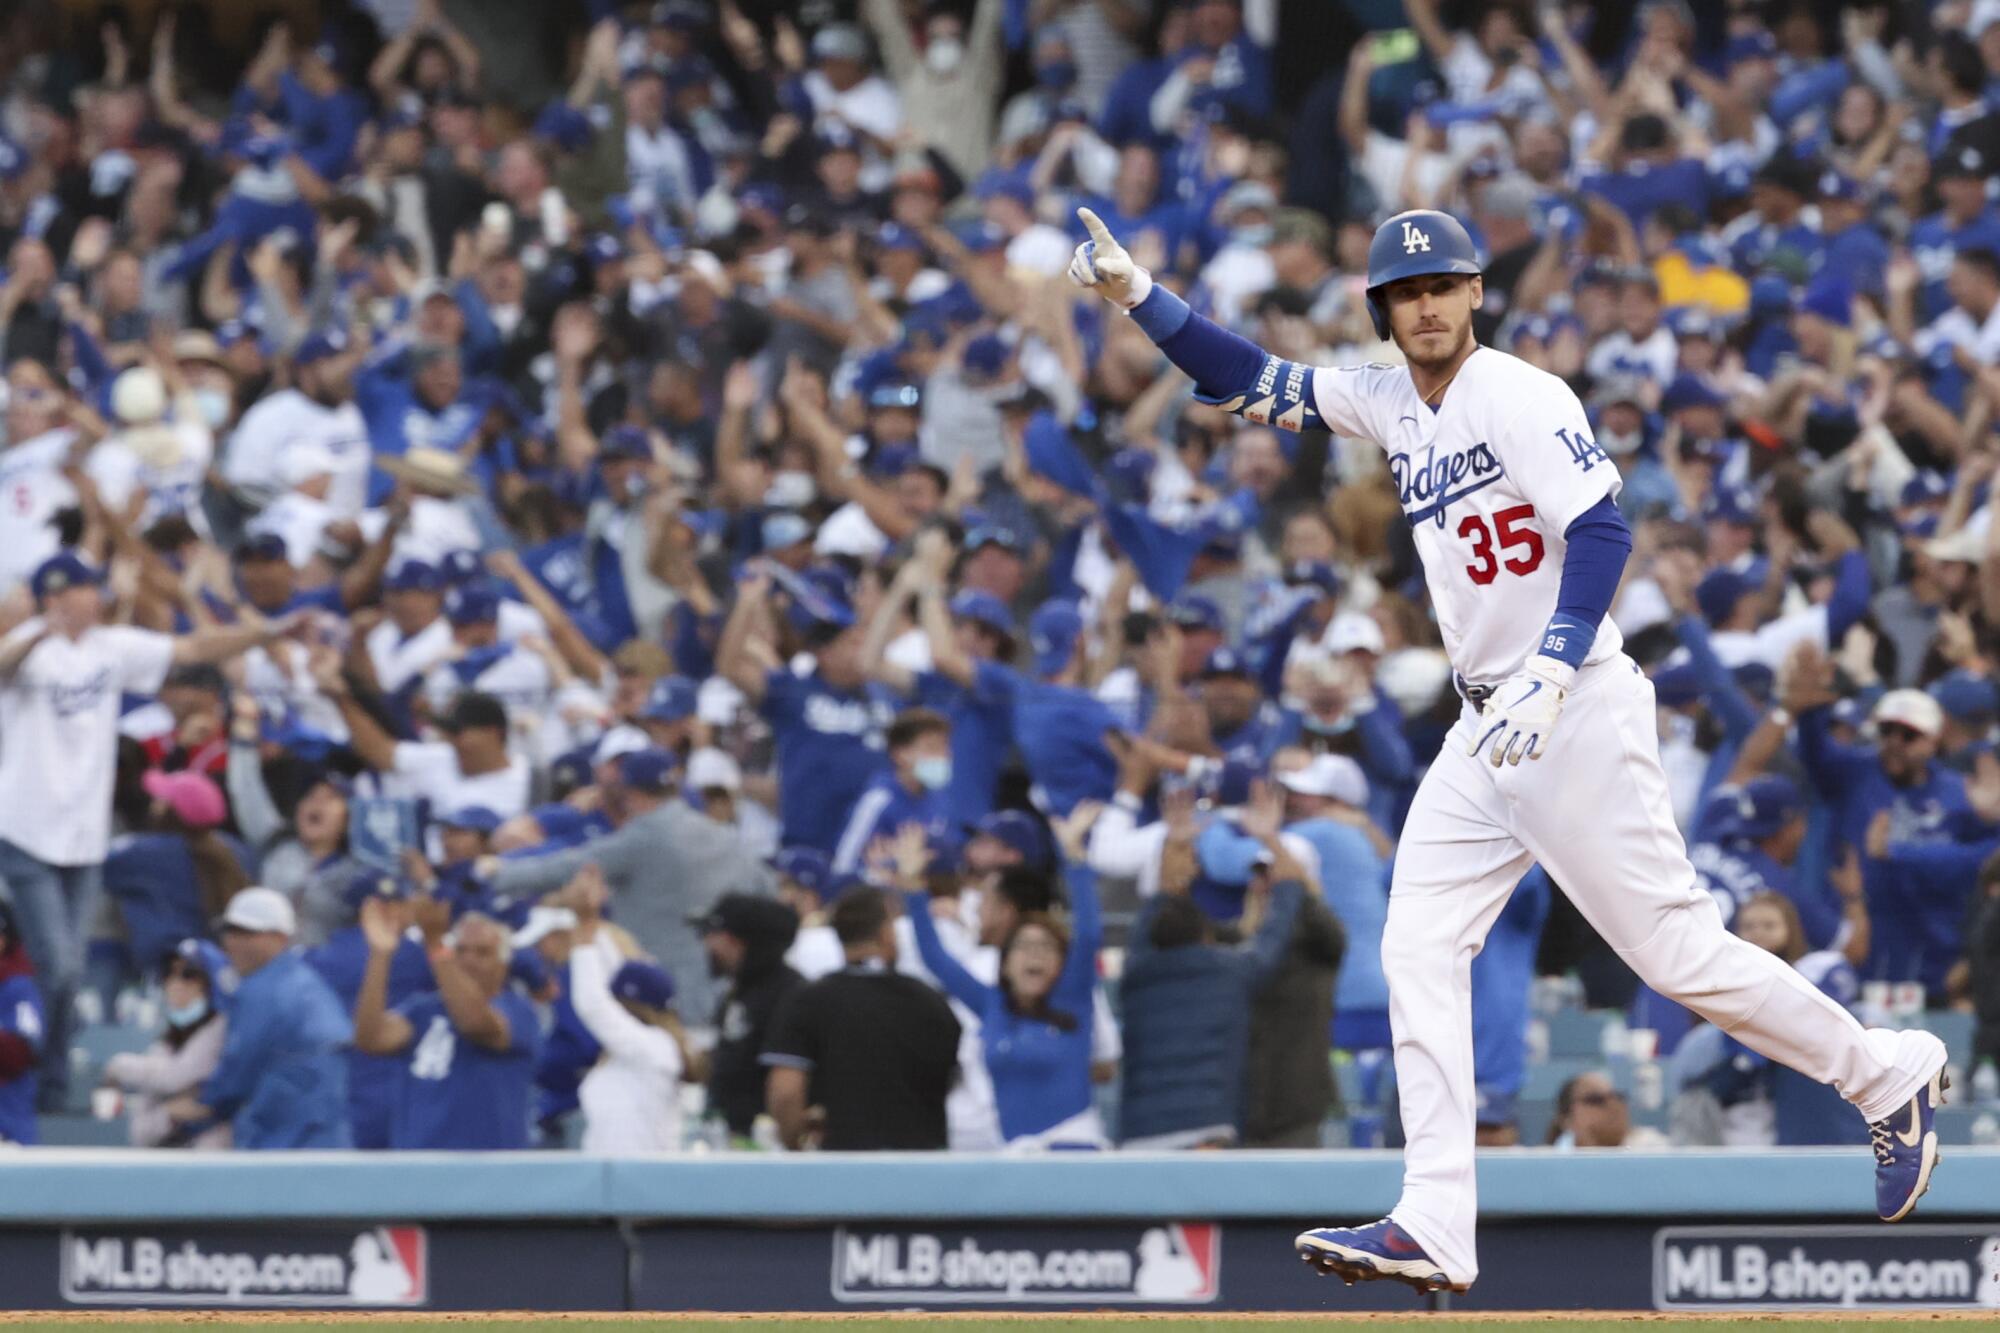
(664, 864)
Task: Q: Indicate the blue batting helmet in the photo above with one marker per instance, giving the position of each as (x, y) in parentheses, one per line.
(1422, 240)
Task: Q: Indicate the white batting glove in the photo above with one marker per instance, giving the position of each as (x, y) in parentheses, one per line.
(1521, 713)
(1102, 263)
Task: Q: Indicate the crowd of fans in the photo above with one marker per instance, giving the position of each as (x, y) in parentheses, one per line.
(660, 616)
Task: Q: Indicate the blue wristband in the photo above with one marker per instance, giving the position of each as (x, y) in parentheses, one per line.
(1162, 314)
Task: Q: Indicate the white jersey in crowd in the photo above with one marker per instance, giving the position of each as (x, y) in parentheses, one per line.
(167, 462)
(429, 771)
(32, 490)
(517, 678)
(631, 1098)
(59, 735)
(289, 417)
(399, 658)
(1488, 483)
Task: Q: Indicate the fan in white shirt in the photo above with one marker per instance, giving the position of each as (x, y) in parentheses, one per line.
(320, 411)
(631, 1096)
(32, 486)
(471, 766)
(414, 635)
(479, 660)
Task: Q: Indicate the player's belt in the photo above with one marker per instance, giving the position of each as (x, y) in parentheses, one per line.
(1476, 695)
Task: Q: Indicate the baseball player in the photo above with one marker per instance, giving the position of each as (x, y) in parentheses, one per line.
(1511, 506)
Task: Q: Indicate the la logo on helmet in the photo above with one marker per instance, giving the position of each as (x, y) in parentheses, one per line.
(1414, 240)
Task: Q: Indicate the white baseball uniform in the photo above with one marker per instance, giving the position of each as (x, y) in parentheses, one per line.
(1489, 483)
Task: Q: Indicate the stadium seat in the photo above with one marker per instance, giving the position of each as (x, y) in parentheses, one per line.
(1579, 1033)
(83, 1131)
(1956, 1030)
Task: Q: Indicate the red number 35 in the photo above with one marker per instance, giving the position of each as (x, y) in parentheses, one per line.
(1485, 566)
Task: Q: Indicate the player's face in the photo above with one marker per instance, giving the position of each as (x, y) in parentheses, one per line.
(1430, 316)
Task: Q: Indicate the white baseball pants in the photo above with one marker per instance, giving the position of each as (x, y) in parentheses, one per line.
(1594, 811)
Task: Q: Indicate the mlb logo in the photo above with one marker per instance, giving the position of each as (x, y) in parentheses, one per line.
(386, 1267)
(1180, 1262)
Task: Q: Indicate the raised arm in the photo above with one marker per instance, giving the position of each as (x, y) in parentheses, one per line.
(472, 1013)
(735, 658)
(958, 983)
(379, 1030)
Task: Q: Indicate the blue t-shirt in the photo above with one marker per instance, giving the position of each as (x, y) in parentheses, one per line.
(1269, 729)
(21, 1015)
(1355, 883)
(1059, 730)
(1935, 243)
(373, 1081)
(457, 1094)
(829, 749)
(982, 732)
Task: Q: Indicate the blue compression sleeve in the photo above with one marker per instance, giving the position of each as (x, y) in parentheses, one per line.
(1229, 371)
(1599, 543)
(1849, 602)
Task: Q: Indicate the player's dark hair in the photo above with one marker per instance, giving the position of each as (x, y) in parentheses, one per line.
(913, 724)
(859, 916)
(1959, 58)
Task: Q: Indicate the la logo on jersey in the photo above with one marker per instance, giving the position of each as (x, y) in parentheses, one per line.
(1413, 239)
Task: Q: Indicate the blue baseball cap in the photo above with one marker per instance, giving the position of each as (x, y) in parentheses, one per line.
(565, 126)
(1052, 633)
(672, 699)
(473, 818)
(1313, 574)
(1928, 486)
(604, 248)
(1829, 298)
(64, 569)
(895, 393)
(1019, 831)
(1966, 695)
(650, 769)
(472, 603)
(980, 236)
(261, 546)
(983, 608)
(1002, 183)
(986, 356)
(414, 576)
(1718, 594)
(374, 884)
(895, 236)
(641, 982)
(561, 825)
(1225, 661)
(1129, 474)
(982, 535)
(1688, 390)
(1752, 811)
(625, 441)
(461, 567)
(1758, 45)
(892, 460)
(1676, 682)
(1731, 504)
(1196, 612)
(320, 344)
(808, 867)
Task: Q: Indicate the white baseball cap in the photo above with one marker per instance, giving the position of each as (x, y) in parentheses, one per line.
(260, 909)
(138, 396)
(1913, 709)
(541, 923)
(622, 739)
(1330, 775)
(709, 767)
(1352, 631)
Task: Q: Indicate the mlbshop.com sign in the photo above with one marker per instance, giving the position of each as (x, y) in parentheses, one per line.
(376, 1266)
(1827, 1268)
(1169, 1263)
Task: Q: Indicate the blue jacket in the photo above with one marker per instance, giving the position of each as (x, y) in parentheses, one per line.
(373, 1081)
(1355, 884)
(1040, 1072)
(1186, 1017)
(282, 1080)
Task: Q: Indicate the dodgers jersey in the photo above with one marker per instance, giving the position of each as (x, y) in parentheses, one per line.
(1489, 483)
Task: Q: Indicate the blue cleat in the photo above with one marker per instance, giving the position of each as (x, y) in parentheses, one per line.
(1906, 1149)
(1378, 1250)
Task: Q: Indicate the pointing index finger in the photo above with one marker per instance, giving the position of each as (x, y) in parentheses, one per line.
(1095, 226)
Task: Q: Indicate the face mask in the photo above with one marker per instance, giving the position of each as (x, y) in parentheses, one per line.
(1616, 444)
(1057, 75)
(791, 490)
(933, 772)
(1256, 234)
(187, 1015)
(944, 55)
(213, 406)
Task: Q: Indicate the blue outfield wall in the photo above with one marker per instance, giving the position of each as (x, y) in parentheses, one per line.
(44, 1186)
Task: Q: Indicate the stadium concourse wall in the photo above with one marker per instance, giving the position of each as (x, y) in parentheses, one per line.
(1681, 1230)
